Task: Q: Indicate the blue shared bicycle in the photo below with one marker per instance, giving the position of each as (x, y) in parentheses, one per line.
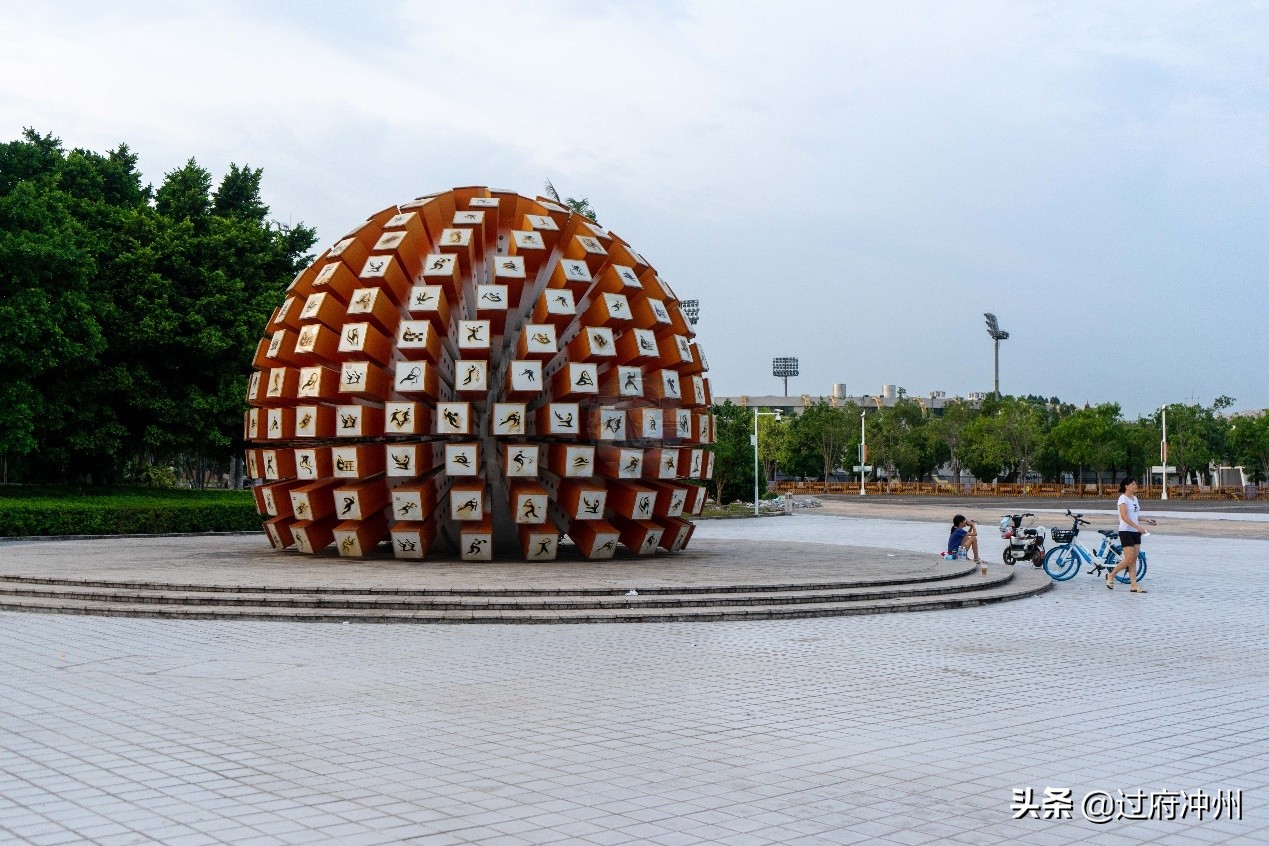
(1063, 561)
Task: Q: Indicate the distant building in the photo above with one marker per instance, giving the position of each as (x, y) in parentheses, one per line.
(933, 404)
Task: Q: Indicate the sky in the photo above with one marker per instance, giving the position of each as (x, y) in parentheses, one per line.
(850, 183)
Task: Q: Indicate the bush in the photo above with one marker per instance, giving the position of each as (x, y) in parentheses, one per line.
(122, 511)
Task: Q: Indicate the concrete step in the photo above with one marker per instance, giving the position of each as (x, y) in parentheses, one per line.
(961, 592)
(952, 570)
(404, 601)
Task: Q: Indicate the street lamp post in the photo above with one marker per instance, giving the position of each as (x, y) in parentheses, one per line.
(1163, 452)
(863, 451)
(997, 334)
(756, 415)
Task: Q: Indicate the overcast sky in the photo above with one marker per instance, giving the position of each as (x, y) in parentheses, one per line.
(851, 183)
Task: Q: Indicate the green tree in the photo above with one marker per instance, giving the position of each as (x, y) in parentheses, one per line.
(798, 451)
(830, 430)
(1141, 446)
(771, 437)
(1197, 436)
(580, 206)
(1020, 427)
(984, 451)
(950, 429)
(1093, 437)
(894, 439)
(129, 316)
(733, 453)
(185, 194)
(1249, 438)
(239, 195)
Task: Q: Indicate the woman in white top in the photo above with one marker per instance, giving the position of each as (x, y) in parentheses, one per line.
(1130, 533)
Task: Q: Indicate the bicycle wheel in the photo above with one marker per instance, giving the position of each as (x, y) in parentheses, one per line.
(1061, 563)
(1123, 579)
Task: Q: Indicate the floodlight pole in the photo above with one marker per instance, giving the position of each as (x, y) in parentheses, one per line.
(784, 368)
(997, 335)
(997, 340)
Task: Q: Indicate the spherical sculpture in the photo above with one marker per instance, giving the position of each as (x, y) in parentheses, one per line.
(479, 371)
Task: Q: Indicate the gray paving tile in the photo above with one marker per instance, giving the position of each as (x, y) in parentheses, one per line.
(904, 729)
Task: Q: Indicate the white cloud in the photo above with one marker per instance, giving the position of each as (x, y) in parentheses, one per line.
(839, 181)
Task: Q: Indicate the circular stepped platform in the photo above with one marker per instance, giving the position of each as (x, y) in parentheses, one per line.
(232, 578)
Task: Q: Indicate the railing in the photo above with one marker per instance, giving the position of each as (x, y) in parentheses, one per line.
(1046, 490)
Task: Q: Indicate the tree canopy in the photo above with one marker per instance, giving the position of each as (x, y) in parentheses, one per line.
(1008, 439)
(128, 315)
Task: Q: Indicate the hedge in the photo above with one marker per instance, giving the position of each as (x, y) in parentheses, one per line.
(52, 512)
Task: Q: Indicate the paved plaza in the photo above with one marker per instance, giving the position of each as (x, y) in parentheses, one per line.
(896, 728)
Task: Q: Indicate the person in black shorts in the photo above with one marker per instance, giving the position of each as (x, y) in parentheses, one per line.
(1130, 533)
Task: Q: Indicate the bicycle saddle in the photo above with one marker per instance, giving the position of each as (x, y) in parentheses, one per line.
(1110, 533)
